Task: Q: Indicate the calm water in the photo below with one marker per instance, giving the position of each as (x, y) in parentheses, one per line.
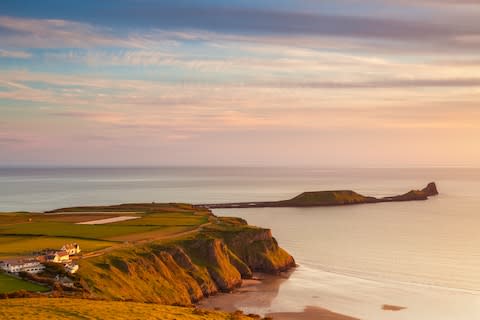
(424, 256)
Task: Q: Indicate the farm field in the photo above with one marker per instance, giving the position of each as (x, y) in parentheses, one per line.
(21, 234)
(10, 284)
(13, 246)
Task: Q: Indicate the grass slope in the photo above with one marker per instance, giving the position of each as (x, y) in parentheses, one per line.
(9, 284)
(327, 198)
(51, 308)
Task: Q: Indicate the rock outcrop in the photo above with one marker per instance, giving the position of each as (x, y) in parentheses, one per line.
(413, 195)
(430, 189)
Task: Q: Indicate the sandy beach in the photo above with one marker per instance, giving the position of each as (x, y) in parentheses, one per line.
(310, 313)
(248, 299)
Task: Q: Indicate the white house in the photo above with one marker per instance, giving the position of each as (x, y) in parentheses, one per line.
(71, 268)
(71, 248)
(22, 265)
(59, 257)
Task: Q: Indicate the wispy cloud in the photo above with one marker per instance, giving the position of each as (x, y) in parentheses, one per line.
(14, 54)
(380, 84)
(51, 33)
(190, 76)
(429, 2)
(307, 30)
(253, 21)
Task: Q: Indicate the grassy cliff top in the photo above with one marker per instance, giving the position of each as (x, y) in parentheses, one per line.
(124, 260)
(315, 198)
(22, 234)
(152, 207)
(64, 308)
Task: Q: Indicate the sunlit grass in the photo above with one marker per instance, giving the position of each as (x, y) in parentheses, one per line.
(11, 246)
(10, 284)
(51, 308)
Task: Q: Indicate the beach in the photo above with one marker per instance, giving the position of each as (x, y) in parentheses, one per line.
(258, 294)
(310, 313)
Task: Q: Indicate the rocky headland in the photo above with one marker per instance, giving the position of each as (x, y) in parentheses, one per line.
(182, 272)
(163, 254)
(331, 198)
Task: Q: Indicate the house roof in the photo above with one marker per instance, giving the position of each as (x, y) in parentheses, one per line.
(70, 246)
(19, 262)
(62, 253)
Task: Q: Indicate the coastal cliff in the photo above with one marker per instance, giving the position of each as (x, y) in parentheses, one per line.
(181, 272)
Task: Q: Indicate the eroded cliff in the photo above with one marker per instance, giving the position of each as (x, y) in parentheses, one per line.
(181, 272)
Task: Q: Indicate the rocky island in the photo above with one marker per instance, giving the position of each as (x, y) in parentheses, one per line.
(330, 198)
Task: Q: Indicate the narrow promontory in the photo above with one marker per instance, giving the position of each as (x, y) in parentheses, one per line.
(330, 198)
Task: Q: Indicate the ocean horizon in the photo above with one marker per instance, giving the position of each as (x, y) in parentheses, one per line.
(352, 259)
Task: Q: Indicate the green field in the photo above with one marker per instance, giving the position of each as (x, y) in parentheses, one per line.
(72, 230)
(21, 234)
(10, 284)
(167, 219)
(12, 246)
(54, 308)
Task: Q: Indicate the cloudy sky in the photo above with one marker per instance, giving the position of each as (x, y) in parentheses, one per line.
(359, 83)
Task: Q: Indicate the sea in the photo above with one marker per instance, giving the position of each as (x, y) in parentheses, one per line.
(423, 256)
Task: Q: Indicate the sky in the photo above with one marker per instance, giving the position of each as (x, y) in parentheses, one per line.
(354, 83)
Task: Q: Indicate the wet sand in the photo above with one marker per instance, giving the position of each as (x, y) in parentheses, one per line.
(247, 297)
(310, 313)
(256, 296)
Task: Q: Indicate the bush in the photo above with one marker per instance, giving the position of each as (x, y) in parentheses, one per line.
(53, 269)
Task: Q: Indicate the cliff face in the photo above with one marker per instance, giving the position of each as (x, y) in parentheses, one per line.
(260, 251)
(430, 189)
(185, 271)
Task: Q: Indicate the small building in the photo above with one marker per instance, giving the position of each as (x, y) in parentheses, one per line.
(22, 265)
(71, 268)
(71, 248)
(58, 257)
(43, 258)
